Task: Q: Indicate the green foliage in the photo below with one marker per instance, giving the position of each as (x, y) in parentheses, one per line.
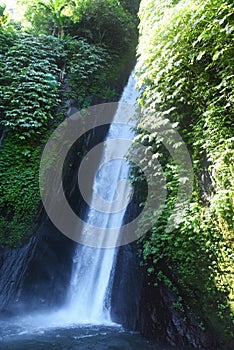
(131, 6)
(3, 15)
(106, 22)
(30, 78)
(37, 72)
(185, 69)
(88, 69)
(29, 85)
(108, 26)
(102, 22)
(30, 81)
(29, 90)
(51, 17)
(19, 192)
(7, 38)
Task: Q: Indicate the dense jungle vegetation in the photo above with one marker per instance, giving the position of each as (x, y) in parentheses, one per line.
(59, 50)
(185, 69)
(53, 52)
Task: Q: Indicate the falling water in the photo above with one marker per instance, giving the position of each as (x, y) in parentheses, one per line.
(93, 268)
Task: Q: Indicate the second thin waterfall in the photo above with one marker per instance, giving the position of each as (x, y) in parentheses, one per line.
(93, 268)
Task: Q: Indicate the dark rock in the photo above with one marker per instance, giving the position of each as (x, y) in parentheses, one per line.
(34, 276)
(14, 263)
(127, 286)
(160, 319)
(48, 272)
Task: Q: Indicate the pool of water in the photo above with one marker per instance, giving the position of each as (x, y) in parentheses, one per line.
(22, 336)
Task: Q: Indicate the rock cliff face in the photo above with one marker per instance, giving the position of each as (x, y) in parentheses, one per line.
(34, 276)
(160, 319)
(13, 265)
(127, 286)
(150, 309)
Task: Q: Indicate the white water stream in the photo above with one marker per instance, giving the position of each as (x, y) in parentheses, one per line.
(93, 268)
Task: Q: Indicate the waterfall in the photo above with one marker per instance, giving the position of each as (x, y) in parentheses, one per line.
(93, 268)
